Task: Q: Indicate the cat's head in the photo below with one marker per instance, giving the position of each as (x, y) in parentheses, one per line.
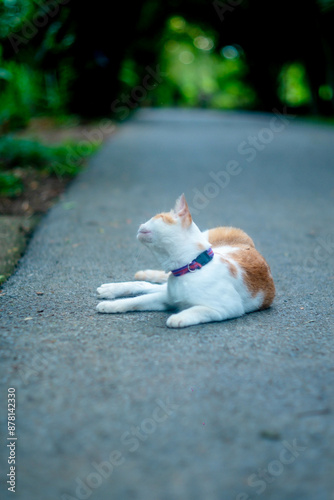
(168, 228)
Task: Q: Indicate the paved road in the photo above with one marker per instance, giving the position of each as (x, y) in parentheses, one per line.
(120, 407)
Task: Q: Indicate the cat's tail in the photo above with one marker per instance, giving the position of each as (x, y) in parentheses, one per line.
(152, 276)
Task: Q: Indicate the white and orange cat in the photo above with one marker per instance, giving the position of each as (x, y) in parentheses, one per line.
(208, 276)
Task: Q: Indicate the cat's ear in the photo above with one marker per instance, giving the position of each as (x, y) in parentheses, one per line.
(181, 209)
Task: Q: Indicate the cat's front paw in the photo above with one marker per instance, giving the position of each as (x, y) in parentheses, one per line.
(178, 321)
(141, 276)
(105, 307)
(106, 291)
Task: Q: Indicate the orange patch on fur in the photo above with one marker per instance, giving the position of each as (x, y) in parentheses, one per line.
(200, 247)
(166, 217)
(231, 267)
(256, 272)
(257, 275)
(231, 236)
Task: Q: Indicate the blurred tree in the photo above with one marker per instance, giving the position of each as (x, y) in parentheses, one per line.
(86, 51)
(274, 33)
(102, 34)
(270, 34)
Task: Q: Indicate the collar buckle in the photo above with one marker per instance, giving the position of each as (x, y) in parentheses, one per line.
(191, 270)
(200, 261)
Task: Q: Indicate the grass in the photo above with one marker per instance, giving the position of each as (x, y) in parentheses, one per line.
(64, 160)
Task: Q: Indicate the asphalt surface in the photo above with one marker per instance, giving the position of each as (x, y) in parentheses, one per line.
(121, 407)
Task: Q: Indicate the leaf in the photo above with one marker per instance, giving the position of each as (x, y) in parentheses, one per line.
(5, 74)
(10, 185)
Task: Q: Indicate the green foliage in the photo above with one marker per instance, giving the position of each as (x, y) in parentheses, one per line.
(195, 74)
(29, 84)
(10, 184)
(37, 72)
(61, 160)
(16, 152)
(20, 93)
(13, 13)
(294, 89)
(56, 86)
(326, 5)
(27, 92)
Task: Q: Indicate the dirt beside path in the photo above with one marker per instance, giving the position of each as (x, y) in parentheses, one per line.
(14, 234)
(19, 215)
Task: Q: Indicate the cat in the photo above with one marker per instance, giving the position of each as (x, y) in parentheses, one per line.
(208, 276)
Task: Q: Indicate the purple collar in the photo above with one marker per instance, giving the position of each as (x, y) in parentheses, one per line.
(198, 263)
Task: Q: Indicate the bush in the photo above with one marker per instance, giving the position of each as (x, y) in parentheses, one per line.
(19, 88)
(64, 160)
(22, 152)
(10, 184)
(27, 92)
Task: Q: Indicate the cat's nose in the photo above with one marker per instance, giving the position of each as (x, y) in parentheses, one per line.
(144, 234)
(143, 229)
